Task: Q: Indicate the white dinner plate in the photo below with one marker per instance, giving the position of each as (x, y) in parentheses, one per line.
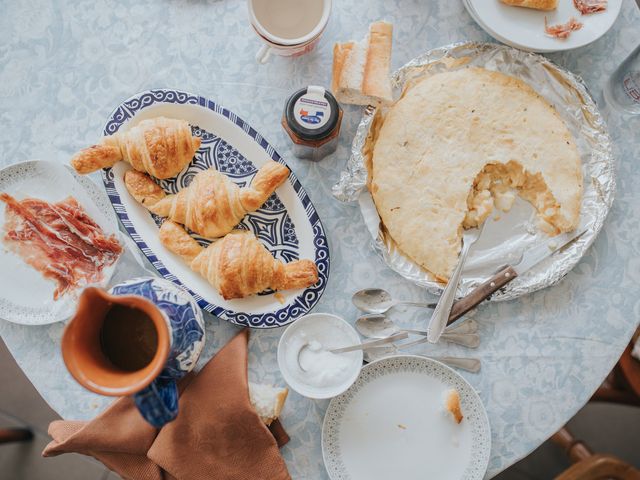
(523, 28)
(26, 297)
(391, 423)
(287, 224)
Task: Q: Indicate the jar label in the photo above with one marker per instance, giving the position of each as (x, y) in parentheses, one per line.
(631, 85)
(312, 110)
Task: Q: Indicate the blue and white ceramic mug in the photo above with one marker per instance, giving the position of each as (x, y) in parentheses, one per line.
(139, 339)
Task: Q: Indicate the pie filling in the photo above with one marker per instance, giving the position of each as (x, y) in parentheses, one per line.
(494, 188)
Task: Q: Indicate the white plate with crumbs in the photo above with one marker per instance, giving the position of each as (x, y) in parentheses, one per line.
(392, 423)
(523, 28)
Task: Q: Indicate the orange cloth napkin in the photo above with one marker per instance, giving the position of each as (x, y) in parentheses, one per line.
(217, 435)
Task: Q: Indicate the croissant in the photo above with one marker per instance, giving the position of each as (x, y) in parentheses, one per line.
(212, 204)
(159, 146)
(237, 265)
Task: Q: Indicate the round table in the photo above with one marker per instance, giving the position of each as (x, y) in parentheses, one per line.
(66, 64)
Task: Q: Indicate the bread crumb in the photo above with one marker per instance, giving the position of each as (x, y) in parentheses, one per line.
(278, 296)
(452, 403)
(401, 426)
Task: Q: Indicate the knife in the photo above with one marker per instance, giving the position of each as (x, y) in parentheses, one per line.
(530, 258)
(374, 343)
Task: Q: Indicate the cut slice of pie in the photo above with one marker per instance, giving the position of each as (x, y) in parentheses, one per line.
(457, 145)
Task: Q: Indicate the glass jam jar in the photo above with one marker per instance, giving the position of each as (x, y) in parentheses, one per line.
(312, 119)
(622, 90)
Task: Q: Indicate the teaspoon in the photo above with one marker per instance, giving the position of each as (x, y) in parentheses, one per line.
(472, 365)
(361, 346)
(379, 326)
(377, 300)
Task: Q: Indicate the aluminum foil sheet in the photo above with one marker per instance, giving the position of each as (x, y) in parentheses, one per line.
(503, 240)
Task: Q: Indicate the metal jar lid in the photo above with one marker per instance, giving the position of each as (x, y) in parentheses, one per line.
(312, 113)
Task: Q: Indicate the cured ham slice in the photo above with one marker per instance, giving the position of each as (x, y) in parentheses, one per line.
(562, 30)
(59, 240)
(586, 7)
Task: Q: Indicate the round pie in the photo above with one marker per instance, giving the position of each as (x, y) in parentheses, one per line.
(458, 144)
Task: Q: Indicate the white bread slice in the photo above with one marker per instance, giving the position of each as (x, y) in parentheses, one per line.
(267, 400)
(376, 82)
(537, 4)
(361, 69)
(348, 72)
(452, 404)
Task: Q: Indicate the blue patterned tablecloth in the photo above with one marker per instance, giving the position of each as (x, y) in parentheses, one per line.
(64, 65)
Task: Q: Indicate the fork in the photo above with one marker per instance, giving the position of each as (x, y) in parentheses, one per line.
(472, 365)
(443, 308)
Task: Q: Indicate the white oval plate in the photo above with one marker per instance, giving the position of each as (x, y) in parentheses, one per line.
(391, 423)
(523, 28)
(26, 297)
(287, 224)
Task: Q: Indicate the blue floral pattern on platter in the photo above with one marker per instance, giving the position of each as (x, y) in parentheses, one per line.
(272, 223)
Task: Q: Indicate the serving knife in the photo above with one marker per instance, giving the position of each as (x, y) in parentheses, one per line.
(528, 259)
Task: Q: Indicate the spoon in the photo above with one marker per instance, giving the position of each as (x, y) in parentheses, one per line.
(360, 346)
(443, 308)
(468, 364)
(379, 326)
(467, 326)
(377, 300)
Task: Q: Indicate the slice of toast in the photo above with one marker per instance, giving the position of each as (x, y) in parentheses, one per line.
(452, 404)
(267, 400)
(361, 69)
(535, 4)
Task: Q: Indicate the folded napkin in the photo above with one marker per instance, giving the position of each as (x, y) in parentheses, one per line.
(217, 435)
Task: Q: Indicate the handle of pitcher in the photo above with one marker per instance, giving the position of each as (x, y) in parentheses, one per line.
(158, 403)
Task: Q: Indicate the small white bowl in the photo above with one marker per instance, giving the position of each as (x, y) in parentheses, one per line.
(332, 332)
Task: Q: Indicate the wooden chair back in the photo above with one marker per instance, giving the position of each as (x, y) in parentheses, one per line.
(622, 385)
(590, 466)
(630, 367)
(600, 467)
(8, 435)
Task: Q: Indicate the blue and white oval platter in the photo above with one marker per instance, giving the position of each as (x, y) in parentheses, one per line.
(287, 224)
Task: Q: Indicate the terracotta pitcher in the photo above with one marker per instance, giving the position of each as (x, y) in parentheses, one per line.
(137, 339)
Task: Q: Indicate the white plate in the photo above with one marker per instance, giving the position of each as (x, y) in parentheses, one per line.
(392, 424)
(524, 27)
(288, 224)
(26, 297)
